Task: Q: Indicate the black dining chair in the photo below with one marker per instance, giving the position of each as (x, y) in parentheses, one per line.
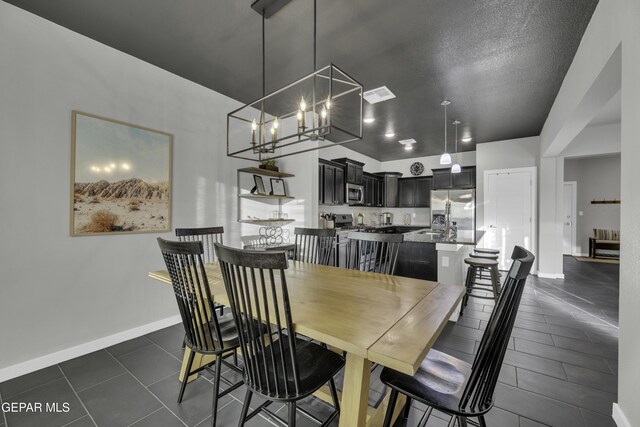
(279, 366)
(206, 331)
(453, 386)
(208, 236)
(315, 245)
(375, 252)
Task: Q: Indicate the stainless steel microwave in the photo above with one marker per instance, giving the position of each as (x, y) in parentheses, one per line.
(355, 194)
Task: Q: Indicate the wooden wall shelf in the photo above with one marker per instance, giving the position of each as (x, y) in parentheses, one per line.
(266, 172)
(272, 222)
(264, 196)
(605, 202)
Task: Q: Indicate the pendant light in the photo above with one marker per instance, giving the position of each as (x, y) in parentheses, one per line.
(445, 159)
(327, 108)
(456, 167)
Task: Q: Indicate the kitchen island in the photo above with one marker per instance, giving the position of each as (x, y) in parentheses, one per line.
(426, 254)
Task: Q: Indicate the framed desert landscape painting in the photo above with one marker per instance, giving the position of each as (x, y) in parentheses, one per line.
(120, 177)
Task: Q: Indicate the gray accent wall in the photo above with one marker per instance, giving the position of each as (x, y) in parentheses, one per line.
(597, 178)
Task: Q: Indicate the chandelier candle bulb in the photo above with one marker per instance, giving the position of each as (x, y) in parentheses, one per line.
(254, 127)
(323, 117)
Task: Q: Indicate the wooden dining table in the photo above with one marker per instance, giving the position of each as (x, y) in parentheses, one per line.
(374, 318)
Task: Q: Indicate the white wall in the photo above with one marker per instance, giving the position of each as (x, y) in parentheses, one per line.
(597, 178)
(59, 291)
(591, 81)
(595, 141)
(629, 350)
(467, 158)
(508, 154)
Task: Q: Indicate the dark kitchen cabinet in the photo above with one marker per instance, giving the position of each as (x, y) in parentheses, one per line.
(340, 185)
(378, 196)
(406, 192)
(423, 192)
(389, 188)
(332, 185)
(465, 179)
(355, 171)
(443, 179)
(414, 192)
(373, 190)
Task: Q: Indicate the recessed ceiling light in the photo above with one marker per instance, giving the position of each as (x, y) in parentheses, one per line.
(467, 139)
(390, 134)
(369, 120)
(408, 147)
(407, 141)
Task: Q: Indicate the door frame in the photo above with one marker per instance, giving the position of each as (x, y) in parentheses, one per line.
(574, 216)
(533, 170)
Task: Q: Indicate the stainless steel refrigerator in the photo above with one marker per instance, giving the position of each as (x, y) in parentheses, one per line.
(462, 211)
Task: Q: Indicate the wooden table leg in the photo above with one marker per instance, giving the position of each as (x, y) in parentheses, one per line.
(355, 391)
(198, 360)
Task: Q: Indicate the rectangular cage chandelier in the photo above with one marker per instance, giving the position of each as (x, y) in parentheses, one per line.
(320, 110)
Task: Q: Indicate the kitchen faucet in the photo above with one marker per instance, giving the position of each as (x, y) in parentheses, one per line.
(450, 229)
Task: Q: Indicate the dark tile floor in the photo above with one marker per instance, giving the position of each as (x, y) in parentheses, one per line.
(560, 369)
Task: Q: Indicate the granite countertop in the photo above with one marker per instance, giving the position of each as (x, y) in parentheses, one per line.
(420, 233)
(463, 237)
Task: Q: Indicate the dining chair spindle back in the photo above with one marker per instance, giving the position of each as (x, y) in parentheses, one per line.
(279, 366)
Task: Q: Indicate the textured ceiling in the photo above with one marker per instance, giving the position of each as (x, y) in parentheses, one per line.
(500, 62)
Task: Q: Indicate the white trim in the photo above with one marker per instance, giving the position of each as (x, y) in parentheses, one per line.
(619, 417)
(82, 349)
(574, 215)
(534, 204)
(550, 275)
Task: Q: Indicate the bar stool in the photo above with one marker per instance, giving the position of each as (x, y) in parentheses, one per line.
(474, 283)
(484, 273)
(487, 251)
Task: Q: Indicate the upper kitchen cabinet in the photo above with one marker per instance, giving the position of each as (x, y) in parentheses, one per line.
(415, 192)
(389, 188)
(443, 179)
(331, 185)
(373, 190)
(355, 171)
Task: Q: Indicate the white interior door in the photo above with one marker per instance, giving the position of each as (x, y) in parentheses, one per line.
(568, 218)
(509, 218)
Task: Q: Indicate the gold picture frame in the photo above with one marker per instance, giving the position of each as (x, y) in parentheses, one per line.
(120, 177)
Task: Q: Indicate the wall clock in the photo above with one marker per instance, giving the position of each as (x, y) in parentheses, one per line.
(416, 168)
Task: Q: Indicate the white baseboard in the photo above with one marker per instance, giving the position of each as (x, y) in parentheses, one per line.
(82, 349)
(550, 275)
(619, 417)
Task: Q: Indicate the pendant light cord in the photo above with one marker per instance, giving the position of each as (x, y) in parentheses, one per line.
(445, 128)
(264, 86)
(456, 141)
(315, 19)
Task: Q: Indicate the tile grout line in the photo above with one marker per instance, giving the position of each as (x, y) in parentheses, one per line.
(132, 351)
(219, 409)
(101, 382)
(146, 416)
(162, 379)
(33, 388)
(77, 396)
(568, 303)
(77, 419)
(143, 386)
